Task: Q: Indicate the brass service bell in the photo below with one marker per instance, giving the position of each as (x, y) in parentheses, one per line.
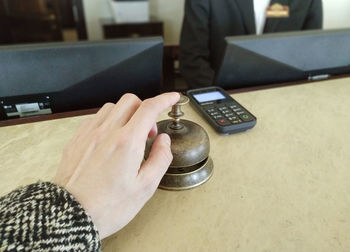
(191, 165)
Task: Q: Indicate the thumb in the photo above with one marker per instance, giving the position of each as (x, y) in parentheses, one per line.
(159, 159)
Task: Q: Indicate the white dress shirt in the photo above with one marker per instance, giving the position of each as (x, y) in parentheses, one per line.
(260, 14)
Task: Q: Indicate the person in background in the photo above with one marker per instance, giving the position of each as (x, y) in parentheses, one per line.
(207, 22)
(101, 183)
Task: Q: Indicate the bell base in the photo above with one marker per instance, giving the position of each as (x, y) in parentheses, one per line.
(186, 178)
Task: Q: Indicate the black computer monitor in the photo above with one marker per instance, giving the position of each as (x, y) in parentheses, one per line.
(57, 77)
(283, 57)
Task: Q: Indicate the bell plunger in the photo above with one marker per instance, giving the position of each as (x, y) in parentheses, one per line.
(191, 165)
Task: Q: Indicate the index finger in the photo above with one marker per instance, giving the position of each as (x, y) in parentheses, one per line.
(146, 115)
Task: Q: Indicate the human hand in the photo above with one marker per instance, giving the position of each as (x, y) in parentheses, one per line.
(102, 165)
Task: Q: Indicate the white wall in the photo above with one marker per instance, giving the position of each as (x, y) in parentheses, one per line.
(168, 11)
(171, 13)
(336, 15)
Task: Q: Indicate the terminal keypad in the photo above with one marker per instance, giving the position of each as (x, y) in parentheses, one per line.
(228, 114)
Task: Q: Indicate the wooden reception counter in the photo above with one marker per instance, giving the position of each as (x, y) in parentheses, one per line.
(282, 186)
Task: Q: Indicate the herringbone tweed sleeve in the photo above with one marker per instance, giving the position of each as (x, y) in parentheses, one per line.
(45, 217)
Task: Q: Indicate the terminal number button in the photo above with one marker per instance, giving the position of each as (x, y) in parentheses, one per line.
(229, 115)
(233, 118)
(216, 117)
(211, 110)
(223, 108)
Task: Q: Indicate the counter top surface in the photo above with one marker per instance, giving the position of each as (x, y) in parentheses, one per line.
(282, 186)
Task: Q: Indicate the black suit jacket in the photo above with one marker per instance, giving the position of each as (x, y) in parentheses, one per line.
(207, 22)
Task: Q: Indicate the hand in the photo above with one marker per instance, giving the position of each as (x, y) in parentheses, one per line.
(102, 165)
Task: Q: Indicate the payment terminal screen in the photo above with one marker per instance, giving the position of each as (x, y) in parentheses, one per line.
(210, 96)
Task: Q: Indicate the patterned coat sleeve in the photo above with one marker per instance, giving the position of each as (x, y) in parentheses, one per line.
(45, 217)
